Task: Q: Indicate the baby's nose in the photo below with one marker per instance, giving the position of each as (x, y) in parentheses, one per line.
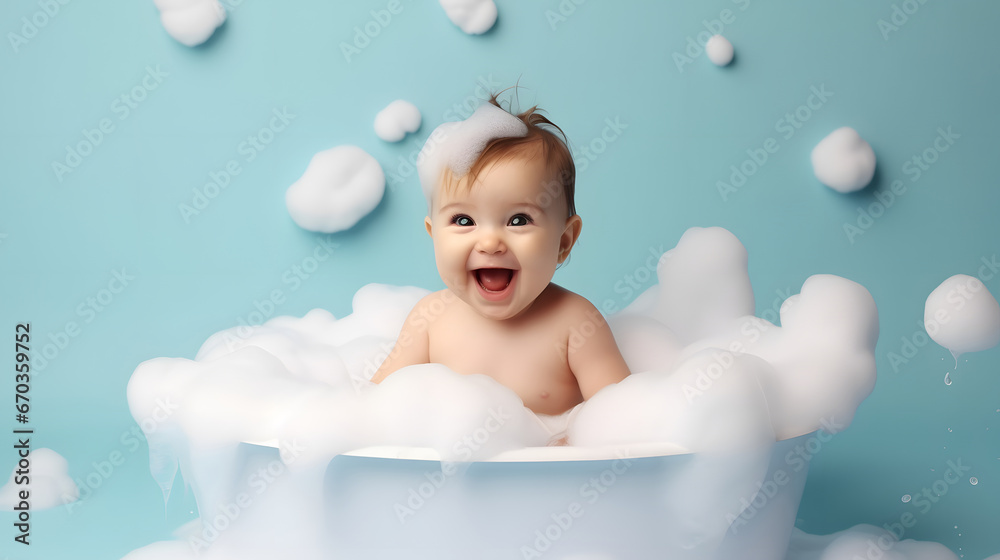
(490, 243)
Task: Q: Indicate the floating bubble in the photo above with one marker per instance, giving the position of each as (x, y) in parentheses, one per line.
(339, 187)
(719, 50)
(962, 316)
(973, 481)
(906, 498)
(191, 22)
(475, 17)
(396, 120)
(843, 161)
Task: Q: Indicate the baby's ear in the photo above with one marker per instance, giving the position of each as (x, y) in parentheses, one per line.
(427, 223)
(574, 224)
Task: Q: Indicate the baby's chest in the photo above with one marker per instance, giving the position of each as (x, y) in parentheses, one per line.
(510, 357)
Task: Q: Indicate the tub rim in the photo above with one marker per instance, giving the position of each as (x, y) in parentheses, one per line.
(529, 454)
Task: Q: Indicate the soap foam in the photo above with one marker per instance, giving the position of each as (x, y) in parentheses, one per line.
(397, 119)
(457, 145)
(714, 379)
(864, 541)
(191, 22)
(962, 315)
(843, 160)
(726, 413)
(340, 186)
(720, 50)
(474, 17)
(50, 484)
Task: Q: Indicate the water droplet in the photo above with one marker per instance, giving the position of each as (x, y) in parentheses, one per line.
(906, 498)
(973, 481)
(947, 378)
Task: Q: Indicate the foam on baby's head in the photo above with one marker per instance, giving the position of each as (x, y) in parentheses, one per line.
(463, 149)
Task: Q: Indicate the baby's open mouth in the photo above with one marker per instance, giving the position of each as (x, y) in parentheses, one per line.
(494, 279)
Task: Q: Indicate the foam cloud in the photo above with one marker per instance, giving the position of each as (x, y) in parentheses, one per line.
(863, 541)
(397, 119)
(726, 414)
(302, 385)
(843, 161)
(51, 485)
(962, 315)
(691, 340)
(319, 347)
(340, 186)
(191, 22)
(822, 356)
(719, 50)
(475, 17)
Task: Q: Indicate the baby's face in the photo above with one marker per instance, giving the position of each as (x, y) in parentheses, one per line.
(497, 244)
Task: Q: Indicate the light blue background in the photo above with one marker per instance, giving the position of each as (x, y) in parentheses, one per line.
(608, 60)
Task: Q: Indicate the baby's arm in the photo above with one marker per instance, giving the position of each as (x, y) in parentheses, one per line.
(595, 360)
(411, 345)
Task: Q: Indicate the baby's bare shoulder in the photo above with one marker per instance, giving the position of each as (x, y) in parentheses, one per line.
(429, 307)
(573, 308)
(439, 299)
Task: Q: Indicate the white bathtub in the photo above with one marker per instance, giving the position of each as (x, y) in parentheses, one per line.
(560, 503)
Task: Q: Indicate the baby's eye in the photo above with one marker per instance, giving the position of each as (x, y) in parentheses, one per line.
(462, 220)
(520, 220)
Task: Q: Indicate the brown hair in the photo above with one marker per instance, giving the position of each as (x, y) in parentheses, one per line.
(541, 134)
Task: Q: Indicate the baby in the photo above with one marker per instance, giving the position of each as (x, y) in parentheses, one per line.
(499, 231)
